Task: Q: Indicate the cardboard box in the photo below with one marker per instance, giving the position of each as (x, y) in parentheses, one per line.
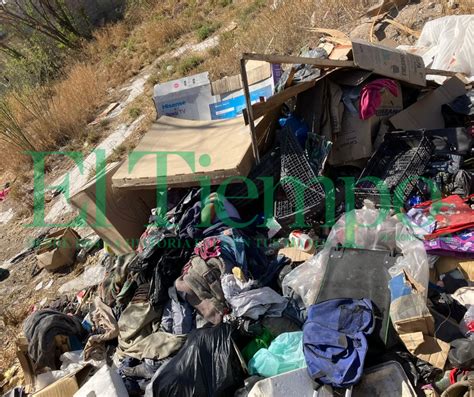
(196, 98)
(389, 62)
(66, 386)
(256, 72)
(354, 141)
(415, 325)
(426, 113)
(125, 213)
(220, 149)
(105, 382)
(58, 249)
(186, 98)
(231, 104)
(447, 263)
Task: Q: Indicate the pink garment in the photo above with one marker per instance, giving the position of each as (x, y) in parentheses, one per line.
(208, 248)
(370, 97)
(4, 193)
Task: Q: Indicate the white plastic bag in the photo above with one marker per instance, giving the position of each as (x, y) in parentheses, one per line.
(447, 43)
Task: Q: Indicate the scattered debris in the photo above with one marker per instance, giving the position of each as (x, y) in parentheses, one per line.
(324, 238)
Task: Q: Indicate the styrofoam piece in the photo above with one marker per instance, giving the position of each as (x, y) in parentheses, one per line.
(105, 382)
(292, 383)
(384, 380)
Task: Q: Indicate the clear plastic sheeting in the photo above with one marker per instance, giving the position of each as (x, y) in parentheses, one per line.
(447, 43)
(366, 228)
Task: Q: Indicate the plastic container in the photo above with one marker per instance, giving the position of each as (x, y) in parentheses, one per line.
(384, 380)
(297, 170)
(286, 215)
(299, 184)
(401, 156)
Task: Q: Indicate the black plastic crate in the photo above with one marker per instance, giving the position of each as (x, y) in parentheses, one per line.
(286, 215)
(401, 155)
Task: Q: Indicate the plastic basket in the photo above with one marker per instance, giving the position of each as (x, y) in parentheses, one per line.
(400, 158)
(286, 215)
(297, 178)
(269, 166)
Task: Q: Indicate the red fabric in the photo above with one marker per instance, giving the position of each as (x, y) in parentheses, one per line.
(452, 214)
(452, 375)
(370, 97)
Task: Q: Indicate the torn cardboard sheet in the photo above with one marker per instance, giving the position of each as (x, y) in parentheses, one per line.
(193, 150)
(426, 113)
(389, 62)
(118, 217)
(296, 255)
(427, 348)
(354, 139)
(412, 320)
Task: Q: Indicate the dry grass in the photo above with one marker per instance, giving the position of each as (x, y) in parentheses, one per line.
(461, 7)
(49, 117)
(280, 30)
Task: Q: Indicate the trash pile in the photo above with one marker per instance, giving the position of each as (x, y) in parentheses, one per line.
(322, 244)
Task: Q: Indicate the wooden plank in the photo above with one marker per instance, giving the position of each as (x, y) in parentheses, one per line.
(265, 127)
(439, 72)
(251, 116)
(262, 108)
(403, 28)
(323, 63)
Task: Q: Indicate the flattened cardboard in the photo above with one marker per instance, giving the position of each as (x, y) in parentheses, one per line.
(66, 386)
(296, 255)
(126, 212)
(427, 348)
(226, 143)
(389, 62)
(26, 363)
(417, 333)
(426, 113)
(58, 249)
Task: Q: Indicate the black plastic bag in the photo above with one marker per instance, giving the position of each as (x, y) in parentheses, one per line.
(207, 365)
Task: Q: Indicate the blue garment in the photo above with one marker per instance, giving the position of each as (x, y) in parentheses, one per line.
(233, 251)
(334, 340)
(178, 315)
